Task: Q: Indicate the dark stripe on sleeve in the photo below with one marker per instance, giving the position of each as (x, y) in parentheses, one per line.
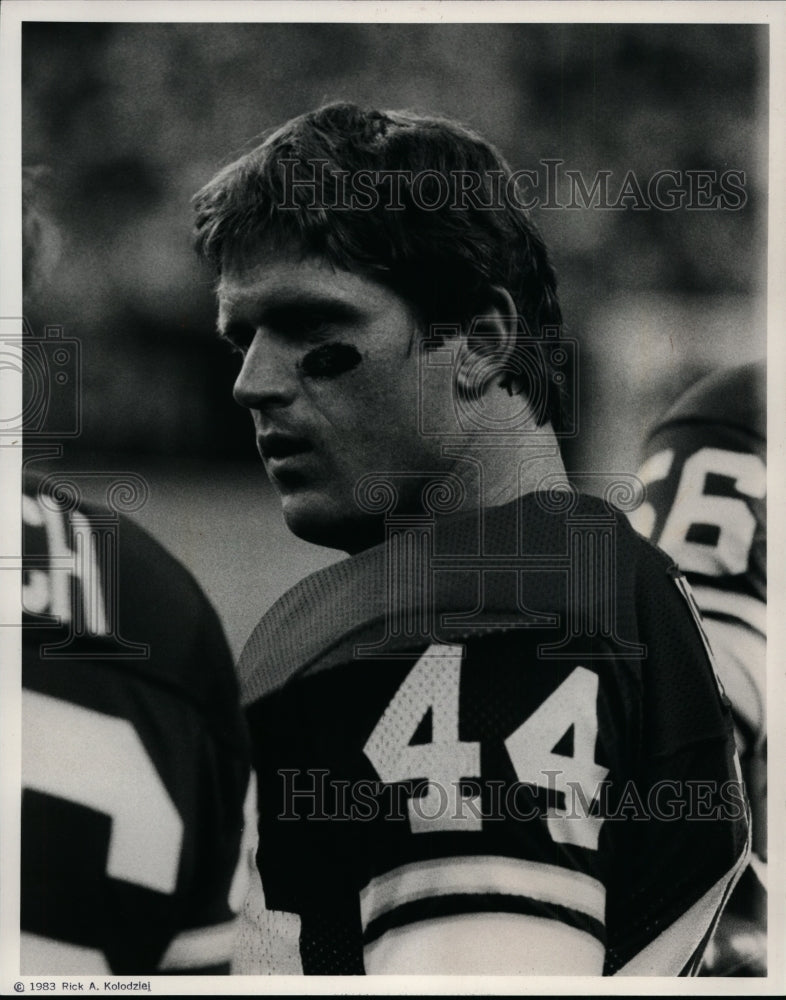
(452, 905)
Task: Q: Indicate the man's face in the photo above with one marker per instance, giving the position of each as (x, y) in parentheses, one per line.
(330, 375)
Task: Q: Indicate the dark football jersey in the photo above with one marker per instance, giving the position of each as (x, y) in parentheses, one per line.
(135, 756)
(541, 744)
(705, 472)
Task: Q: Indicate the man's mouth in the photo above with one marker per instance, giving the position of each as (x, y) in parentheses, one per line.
(281, 451)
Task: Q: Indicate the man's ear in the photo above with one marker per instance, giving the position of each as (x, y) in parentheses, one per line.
(488, 347)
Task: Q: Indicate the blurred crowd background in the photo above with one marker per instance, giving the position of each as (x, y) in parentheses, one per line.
(129, 120)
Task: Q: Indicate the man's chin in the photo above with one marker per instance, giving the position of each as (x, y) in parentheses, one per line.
(321, 523)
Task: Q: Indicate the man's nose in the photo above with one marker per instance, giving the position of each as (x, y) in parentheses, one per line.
(267, 377)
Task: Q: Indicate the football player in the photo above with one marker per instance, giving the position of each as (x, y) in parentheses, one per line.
(483, 740)
(135, 762)
(705, 472)
(134, 752)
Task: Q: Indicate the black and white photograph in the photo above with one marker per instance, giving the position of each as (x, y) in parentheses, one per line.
(384, 411)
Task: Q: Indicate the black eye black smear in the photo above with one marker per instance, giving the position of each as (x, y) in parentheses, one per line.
(330, 360)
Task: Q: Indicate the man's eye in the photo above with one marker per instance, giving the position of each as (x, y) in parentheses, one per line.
(303, 325)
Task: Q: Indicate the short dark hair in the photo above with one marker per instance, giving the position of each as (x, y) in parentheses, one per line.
(443, 254)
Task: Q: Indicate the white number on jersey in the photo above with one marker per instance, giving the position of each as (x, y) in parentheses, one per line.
(731, 515)
(431, 685)
(578, 778)
(99, 761)
(49, 591)
(654, 469)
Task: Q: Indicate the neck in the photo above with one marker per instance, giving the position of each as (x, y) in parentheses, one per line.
(495, 473)
(491, 474)
(494, 467)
